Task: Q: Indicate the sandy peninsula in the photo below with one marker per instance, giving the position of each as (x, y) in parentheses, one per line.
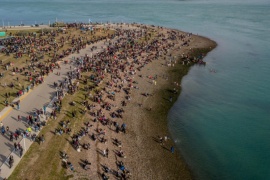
(138, 87)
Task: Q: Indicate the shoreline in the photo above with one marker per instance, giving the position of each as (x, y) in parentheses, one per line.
(181, 169)
(145, 116)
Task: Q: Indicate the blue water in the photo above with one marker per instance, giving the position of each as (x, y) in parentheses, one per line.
(221, 121)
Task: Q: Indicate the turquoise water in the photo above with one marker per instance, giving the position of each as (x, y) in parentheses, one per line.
(221, 121)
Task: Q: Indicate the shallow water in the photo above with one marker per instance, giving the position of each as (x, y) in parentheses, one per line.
(221, 121)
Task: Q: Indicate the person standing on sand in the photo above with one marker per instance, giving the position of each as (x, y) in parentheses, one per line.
(161, 141)
(166, 138)
(104, 152)
(172, 149)
(107, 152)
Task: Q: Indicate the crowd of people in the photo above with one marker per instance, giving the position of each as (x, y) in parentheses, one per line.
(114, 65)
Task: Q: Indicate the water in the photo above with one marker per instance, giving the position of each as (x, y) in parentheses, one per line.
(221, 121)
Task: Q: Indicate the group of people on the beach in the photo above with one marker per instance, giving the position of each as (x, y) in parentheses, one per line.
(120, 59)
(122, 56)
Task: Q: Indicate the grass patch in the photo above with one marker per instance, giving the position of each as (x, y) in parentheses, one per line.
(43, 161)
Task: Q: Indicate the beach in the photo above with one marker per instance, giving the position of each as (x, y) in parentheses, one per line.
(155, 161)
(220, 120)
(149, 85)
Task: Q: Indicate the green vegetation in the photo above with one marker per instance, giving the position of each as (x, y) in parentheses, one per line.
(44, 159)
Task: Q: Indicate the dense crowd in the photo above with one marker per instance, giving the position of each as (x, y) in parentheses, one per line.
(122, 55)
